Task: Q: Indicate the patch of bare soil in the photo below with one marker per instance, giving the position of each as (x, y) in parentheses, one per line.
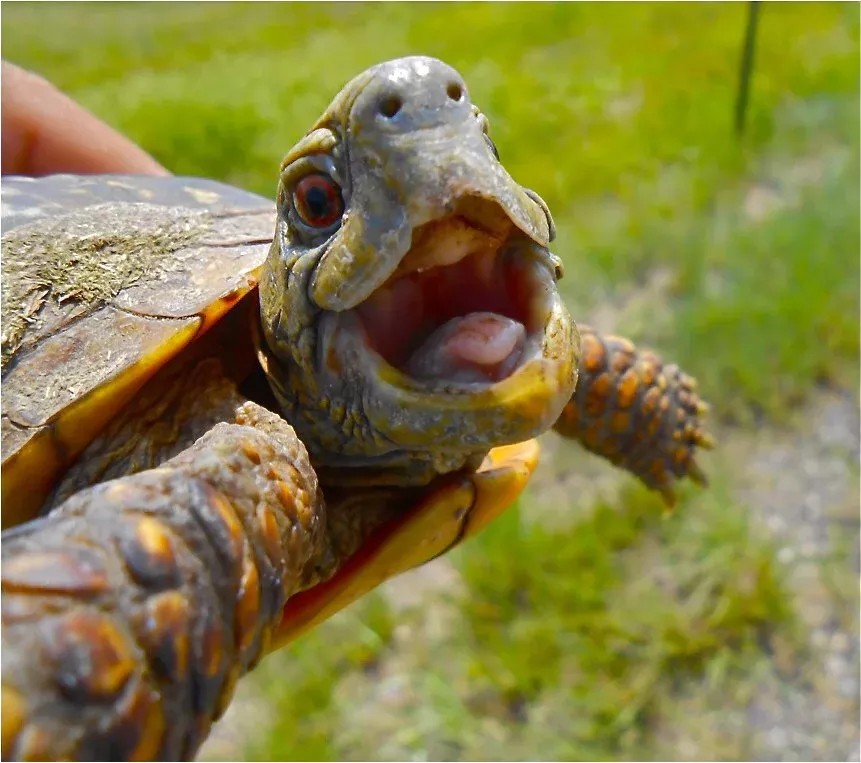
(802, 485)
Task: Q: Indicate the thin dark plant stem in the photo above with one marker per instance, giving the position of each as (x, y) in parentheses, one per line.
(746, 68)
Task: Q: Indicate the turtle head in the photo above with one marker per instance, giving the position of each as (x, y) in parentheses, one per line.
(409, 303)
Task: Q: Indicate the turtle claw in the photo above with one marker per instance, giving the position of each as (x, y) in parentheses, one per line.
(688, 382)
(668, 495)
(705, 441)
(667, 488)
(697, 475)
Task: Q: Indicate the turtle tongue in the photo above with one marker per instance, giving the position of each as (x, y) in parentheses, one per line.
(478, 347)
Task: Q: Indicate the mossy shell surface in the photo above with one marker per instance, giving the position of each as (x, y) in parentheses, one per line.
(105, 279)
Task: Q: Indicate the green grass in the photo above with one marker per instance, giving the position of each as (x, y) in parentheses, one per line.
(588, 636)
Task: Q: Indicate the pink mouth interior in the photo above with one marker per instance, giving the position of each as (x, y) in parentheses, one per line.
(453, 310)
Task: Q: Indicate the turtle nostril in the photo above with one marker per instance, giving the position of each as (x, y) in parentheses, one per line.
(455, 91)
(390, 105)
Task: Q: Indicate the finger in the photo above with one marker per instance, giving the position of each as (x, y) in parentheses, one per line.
(46, 132)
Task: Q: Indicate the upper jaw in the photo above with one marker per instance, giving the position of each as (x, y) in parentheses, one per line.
(407, 181)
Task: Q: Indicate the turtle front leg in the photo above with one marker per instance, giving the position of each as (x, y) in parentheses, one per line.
(637, 412)
(130, 611)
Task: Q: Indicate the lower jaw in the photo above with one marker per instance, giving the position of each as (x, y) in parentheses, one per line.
(422, 420)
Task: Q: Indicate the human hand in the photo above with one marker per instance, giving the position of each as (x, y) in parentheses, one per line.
(45, 132)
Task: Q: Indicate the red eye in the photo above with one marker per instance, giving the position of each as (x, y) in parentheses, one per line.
(318, 201)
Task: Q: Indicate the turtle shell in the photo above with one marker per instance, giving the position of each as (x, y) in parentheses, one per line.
(105, 279)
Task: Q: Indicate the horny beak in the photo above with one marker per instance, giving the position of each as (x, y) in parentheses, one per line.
(415, 153)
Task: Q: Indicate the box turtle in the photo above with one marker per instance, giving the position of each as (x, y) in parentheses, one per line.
(213, 439)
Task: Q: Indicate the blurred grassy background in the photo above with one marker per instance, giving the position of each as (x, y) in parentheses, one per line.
(584, 624)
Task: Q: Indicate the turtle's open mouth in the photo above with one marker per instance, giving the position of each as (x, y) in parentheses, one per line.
(464, 345)
(464, 306)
